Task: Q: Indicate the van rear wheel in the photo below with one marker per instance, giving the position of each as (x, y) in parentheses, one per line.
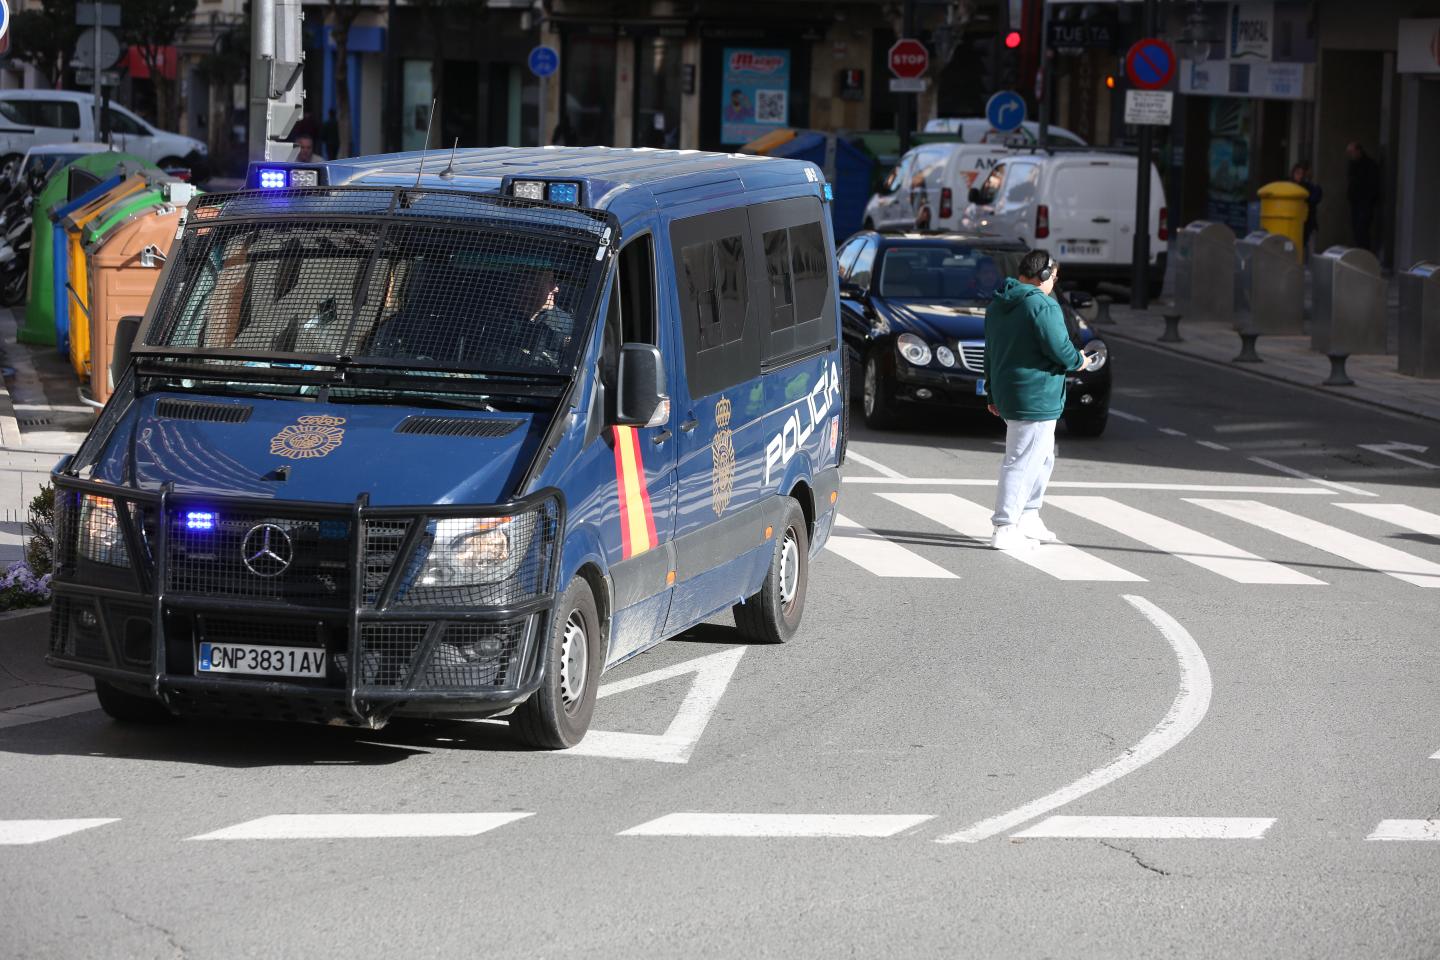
(557, 715)
(773, 614)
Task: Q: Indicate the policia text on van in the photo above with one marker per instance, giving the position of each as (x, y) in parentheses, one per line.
(448, 441)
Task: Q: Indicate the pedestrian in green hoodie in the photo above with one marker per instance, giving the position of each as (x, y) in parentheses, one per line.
(1027, 355)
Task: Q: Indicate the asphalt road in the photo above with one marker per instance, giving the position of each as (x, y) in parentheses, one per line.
(1226, 657)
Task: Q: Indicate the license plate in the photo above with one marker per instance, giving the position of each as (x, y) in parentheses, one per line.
(260, 660)
(979, 388)
(1081, 249)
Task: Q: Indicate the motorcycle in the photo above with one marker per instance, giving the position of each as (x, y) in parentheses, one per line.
(16, 218)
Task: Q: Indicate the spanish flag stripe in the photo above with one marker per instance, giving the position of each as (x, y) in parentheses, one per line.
(620, 447)
(644, 490)
(637, 523)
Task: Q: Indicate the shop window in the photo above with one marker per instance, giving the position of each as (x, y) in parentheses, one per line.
(587, 96)
(657, 92)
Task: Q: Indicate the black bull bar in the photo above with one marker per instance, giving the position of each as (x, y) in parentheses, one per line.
(133, 603)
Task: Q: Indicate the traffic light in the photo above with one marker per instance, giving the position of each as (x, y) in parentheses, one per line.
(1013, 39)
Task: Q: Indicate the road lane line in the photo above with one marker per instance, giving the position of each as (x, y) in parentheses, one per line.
(1150, 828)
(344, 826)
(1212, 444)
(1400, 514)
(880, 556)
(1332, 540)
(970, 519)
(1127, 416)
(789, 825)
(1189, 708)
(852, 454)
(1301, 474)
(1406, 830)
(15, 832)
(1095, 485)
(1171, 431)
(1192, 546)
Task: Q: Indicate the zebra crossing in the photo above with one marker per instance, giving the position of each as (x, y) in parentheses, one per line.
(1175, 529)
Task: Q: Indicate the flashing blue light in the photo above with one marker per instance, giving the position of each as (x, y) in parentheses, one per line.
(566, 193)
(827, 192)
(272, 179)
(199, 520)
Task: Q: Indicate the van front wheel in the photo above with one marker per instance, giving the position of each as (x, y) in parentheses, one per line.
(130, 707)
(773, 614)
(557, 715)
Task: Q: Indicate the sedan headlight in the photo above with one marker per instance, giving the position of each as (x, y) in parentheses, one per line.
(1098, 350)
(945, 355)
(100, 539)
(913, 349)
(468, 551)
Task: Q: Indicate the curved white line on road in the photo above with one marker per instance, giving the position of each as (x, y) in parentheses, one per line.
(1185, 715)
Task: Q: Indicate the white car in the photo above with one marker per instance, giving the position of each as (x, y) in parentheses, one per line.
(47, 157)
(1080, 205)
(978, 130)
(36, 117)
(928, 187)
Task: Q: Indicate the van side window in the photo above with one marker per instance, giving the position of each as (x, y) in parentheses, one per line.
(798, 275)
(990, 189)
(630, 314)
(64, 114)
(722, 343)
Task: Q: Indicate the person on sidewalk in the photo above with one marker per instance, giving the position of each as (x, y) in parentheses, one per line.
(1027, 354)
(1362, 189)
(1300, 173)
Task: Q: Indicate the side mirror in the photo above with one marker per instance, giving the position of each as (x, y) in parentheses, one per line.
(125, 332)
(851, 291)
(640, 385)
(974, 194)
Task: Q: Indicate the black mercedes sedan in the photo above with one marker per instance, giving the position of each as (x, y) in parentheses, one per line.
(913, 312)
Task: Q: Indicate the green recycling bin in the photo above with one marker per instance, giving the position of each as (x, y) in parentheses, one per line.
(82, 174)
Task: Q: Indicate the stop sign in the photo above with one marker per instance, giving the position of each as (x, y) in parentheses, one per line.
(909, 59)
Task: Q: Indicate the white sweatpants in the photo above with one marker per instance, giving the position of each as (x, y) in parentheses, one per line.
(1029, 460)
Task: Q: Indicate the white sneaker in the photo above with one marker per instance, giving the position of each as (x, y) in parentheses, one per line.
(1033, 527)
(1011, 539)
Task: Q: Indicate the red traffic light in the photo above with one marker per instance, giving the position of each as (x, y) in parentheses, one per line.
(1013, 39)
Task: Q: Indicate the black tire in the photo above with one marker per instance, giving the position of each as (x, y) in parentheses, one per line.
(1087, 424)
(12, 288)
(877, 392)
(557, 715)
(770, 616)
(129, 707)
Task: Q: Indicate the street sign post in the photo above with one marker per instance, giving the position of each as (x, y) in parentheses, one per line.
(1150, 65)
(1005, 111)
(1149, 107)
(908, 84)
(543, 61)
(908, 60)
(97, 14)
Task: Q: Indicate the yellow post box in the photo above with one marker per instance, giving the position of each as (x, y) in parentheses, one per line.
(1283, 210)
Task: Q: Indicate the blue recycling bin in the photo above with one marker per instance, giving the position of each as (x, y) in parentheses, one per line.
(849, 172)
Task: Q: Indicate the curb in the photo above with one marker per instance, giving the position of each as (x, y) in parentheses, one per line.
(1334, 392)
(9, 426)
(24, 612)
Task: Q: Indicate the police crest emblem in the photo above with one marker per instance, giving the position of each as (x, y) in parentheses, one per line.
(308, 437)
(722, 456)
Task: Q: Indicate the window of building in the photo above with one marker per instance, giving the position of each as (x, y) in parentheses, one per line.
(657, 91)
(587, 97)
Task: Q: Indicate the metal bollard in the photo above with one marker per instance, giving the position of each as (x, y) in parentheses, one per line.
(1205, 272)
(1270, 297)
(1102, 309)
(1338, 377)
(1172, 329)
(1420, 320)
(1247, 349)
(1349, 308)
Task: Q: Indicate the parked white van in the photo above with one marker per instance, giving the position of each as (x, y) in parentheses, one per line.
(928, 187)
(1078, 204)
(978, 130)
(35, 117)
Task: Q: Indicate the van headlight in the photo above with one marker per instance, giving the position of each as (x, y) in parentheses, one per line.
(913, 349)
(100, 539)
(469, 550)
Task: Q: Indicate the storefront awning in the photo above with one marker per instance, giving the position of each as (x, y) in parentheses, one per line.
(135, 65)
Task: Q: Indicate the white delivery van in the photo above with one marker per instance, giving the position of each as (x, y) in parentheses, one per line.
(928, 187)
(1080, 205)
(30, 118)
(978, 130)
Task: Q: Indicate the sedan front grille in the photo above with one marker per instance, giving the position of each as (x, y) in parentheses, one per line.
(972, 355)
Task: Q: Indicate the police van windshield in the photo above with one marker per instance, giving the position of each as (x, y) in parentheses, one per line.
(964, 273)
(413, 295)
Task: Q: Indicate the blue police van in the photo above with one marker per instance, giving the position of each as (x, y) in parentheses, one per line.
(446, 434)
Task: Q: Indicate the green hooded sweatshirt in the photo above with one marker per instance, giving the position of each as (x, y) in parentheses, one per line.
(1027, 353)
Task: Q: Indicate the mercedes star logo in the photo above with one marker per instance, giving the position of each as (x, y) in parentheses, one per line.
(267, 550)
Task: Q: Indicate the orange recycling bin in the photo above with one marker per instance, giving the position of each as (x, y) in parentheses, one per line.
(124, 269)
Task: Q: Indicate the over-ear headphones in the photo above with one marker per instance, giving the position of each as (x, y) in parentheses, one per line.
(1049, 269)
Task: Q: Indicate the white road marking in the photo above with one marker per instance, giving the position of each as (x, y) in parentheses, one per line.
(776, 825)
(14, 832)
(880, 556)
(1127, 416)
(1171, 431)
(1332, 540)
(1400, 514)
(1189, 545)
(1185, 714)
(1301, 474)
(340, 826)
(1435, 755)
(1390, 450)
(970, 519)
(1150, 828)
(1095, 485)
(1406, 830)
(852, 454)
(1212, 444)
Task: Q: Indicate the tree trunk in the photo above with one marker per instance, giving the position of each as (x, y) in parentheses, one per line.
(340, 34)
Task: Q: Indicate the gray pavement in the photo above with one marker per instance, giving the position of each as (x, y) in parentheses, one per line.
(1237, 639)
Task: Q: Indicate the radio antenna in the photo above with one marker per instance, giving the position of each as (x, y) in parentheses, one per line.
(449, 170)
(428, 124)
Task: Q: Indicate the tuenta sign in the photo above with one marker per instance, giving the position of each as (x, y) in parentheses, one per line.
(908, 59)
(1083, 35)
(1149, 107)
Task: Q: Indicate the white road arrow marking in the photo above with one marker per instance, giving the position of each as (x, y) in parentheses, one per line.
(1391, 450)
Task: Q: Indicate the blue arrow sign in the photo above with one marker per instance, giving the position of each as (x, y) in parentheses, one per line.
(544, 61)
(1005, 111)
(4, 17)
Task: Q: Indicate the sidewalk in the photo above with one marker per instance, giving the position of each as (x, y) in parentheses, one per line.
(1287, 359)
(31, 691)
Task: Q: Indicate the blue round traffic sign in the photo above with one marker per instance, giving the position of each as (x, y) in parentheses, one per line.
(544, 61)
(1150, 64)
(4, 18)
(1005, 111)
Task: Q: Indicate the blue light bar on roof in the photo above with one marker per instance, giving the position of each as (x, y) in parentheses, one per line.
(827, 192)
(272, 179)
(566, 193)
